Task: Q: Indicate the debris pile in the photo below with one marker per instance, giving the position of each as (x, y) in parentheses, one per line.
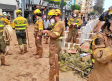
(73, 62)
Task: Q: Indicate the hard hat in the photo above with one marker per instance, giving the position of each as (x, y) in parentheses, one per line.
(37, 11)
(110, 12)
(18, 12)
(75, 11)
(4, 14)
(110, 8)
(51, 13)
(58, 12)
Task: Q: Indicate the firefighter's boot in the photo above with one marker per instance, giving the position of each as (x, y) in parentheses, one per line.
(46, 40)
(3, 61)
(52, 73)
(8, 52)
(21, 50)
(25, 48)
(40, 51)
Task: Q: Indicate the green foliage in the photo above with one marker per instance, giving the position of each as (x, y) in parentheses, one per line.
(64, 4)
(56, 3)
(99, 6)
(92, 13)
(75, 7)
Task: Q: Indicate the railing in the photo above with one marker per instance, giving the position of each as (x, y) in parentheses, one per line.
(85, 32)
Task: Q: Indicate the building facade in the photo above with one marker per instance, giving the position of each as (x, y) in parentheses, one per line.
(86, 5)
(9, 6)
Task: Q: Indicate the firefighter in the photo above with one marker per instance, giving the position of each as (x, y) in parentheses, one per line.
(3, 21)
(74, 23)
(104, 17)
(38, 33)
(102, 54)
(20, 24)
(4, 14)
(55, 40)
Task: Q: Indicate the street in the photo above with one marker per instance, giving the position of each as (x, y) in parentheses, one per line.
(26, 67)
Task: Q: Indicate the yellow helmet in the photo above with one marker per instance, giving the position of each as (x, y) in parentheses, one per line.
(51, 13)
(0, 14)
(110, 12)
(75, 11)
(4, 14)
(18, 12)
(58, 12)
(37, 11)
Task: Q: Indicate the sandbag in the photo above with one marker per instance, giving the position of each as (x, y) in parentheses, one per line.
(85, 47)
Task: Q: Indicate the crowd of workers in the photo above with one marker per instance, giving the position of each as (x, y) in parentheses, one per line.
(53, 27)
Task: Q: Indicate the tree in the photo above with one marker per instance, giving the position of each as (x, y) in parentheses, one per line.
(56, 3)
(75, 7)
(98, 7)
(92, 13)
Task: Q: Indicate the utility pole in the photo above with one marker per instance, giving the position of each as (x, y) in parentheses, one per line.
(62, 1)
(23, 7)
(29, 8)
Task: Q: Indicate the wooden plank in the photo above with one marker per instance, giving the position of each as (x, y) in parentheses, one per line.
(57, 67)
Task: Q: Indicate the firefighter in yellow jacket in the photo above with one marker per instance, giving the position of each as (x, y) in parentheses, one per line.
(4, 14)
(55, 40)
(20, 24)
(38, 33)
(74, 23)
(102, 53)
(3, 21)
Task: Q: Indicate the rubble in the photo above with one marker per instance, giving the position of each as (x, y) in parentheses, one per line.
(74, 62)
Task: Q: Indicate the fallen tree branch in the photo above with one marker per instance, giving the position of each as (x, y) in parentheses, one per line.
(77, 69)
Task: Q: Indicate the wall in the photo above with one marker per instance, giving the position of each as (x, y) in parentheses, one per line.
(0, 11)
(9, 2)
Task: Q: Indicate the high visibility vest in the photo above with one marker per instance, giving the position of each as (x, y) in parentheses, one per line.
(1, 26)
(92, 58)
(20, 24)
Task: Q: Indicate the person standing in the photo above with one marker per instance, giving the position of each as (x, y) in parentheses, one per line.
(5, 15)
(3, 22)
(20, 24)
(38, 33)
(74, 23)
(46, 24)
(55, 40)
(102, 54)
(66, 21)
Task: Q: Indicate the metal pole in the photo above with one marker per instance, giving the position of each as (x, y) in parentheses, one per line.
(23, 3)
(62, 1)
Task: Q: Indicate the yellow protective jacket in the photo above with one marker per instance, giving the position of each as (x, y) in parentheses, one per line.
(38, 26)
(3, 22)
(77, 22)
(102, 53)
(58, 31)
(20, 23)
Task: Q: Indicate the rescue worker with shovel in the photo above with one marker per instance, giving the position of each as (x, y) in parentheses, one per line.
(20, 24)
(38, 33)
(74, 23)
(55, 40)
(3, 21)
(102, 54)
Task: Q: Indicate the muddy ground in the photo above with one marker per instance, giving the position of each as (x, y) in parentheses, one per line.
(27, 68)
